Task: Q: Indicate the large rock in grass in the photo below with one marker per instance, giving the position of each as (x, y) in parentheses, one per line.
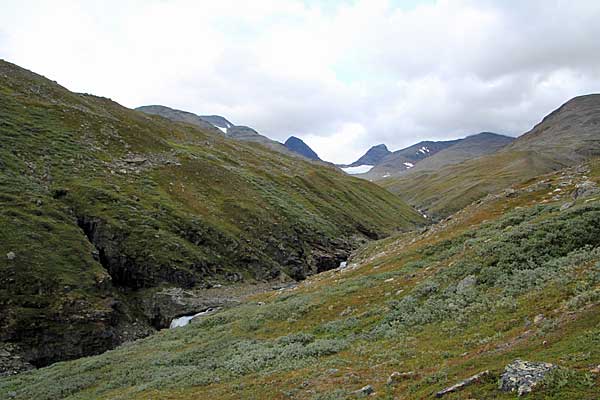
(522, 376)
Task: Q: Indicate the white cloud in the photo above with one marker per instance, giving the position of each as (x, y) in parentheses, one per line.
(341, 76)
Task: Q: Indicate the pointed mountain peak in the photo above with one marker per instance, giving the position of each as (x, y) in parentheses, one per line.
(297, 145)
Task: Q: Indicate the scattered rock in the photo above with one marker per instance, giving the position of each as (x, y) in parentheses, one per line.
(538, 318)
(364, 391)
(349, 310)
(462, 384)
(567, 206)
(468, 282)
(397, 377)
(585, 189)
(11, 255)
(136, 160)
(522, 376)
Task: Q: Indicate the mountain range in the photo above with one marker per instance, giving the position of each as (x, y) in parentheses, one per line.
(565, 137)
(379, 163)
(212, 123)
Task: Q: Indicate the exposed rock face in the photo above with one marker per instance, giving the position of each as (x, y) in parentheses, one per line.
(167, 304)
(123, 269)
(522, 376)
(10, 360)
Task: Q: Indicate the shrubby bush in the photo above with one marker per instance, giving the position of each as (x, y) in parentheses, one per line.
(338, 326)
(540, 247)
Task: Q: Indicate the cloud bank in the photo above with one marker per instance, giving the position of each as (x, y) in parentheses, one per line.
(342, 75)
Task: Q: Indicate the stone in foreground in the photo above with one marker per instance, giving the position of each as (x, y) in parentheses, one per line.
(462, 384)
(523, 376)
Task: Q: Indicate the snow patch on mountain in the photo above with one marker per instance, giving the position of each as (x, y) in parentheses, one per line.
(361, 169)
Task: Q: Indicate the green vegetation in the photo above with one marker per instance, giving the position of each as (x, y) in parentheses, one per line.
(511, 277)
(100, 204)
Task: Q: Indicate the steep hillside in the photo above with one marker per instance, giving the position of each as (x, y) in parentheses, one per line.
(102, 209)
(513, 277)
(566, 136)
(298, 146)
(216, 123)
(401, 160)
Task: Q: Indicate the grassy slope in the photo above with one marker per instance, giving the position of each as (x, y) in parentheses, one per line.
(200, 209)
(565, 137)
(453, 187)
(399, 307)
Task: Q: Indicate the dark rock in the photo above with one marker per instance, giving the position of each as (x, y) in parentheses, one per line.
(522, 376)
(11, 361)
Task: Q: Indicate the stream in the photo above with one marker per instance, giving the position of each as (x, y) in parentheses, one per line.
(186, 319)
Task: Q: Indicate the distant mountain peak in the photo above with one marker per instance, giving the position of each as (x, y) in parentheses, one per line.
(297, 145)
(373, 156)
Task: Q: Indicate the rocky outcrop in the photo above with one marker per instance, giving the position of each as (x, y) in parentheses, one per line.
(585, 189)
(11, 361)
(164, 305)
(124, 269)
(522, 376)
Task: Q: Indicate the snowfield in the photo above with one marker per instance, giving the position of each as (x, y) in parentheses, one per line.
(361, 169)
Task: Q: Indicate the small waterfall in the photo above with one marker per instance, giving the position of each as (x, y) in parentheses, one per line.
(186, 319)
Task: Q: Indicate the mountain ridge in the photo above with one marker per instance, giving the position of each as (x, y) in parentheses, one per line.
(568, 135)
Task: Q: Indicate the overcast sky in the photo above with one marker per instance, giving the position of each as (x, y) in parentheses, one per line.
(342, 75)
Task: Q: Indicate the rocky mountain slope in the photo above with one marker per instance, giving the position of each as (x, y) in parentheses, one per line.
(297, 145)
(112, 220)
(237, 132)
(373, 156)
(501, 299)
(465, 149)
(402, 160)
(566, 136)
